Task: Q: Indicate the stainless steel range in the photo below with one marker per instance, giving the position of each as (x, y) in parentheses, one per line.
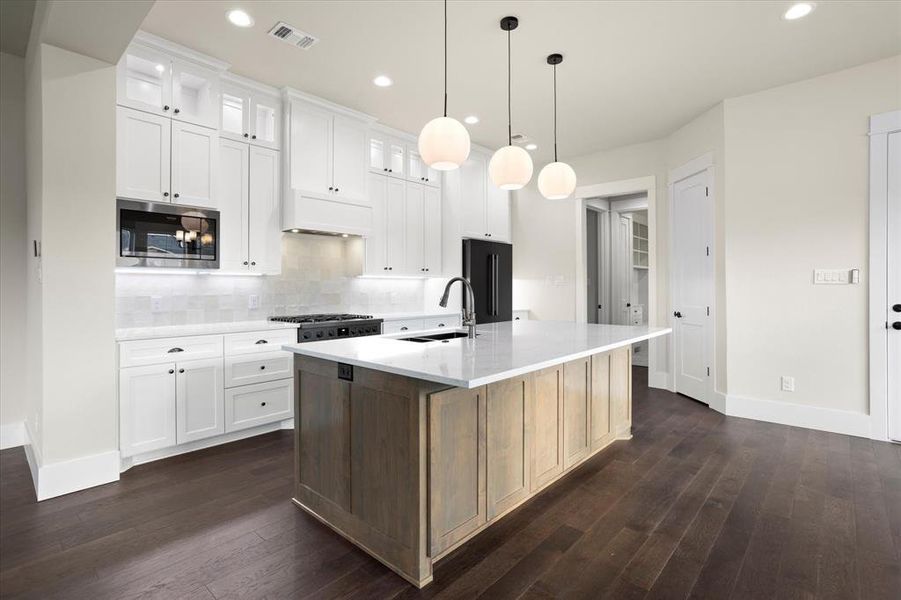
(314, 328)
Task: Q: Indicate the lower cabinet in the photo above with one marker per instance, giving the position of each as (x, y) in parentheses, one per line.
(258, 404)
(198, 400)
(456, 466)
(576, 386)
(621, 391)
(507, 440)
(601, 433)
(547, 426)
(147, 408)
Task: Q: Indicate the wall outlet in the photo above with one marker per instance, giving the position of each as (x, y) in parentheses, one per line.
(156, 304)
(788, 383)
(253, 301)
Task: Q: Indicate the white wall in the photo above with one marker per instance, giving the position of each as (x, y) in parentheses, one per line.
(12, 243)
(796, 199)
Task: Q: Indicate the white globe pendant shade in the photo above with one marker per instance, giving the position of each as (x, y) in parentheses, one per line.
(556, 181)
(444, 144)
(510, 168)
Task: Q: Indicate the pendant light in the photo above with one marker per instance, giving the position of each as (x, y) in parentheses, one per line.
(511, 166)
(444, 141)
(556, 180)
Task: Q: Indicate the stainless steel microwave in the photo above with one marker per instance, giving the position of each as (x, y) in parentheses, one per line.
(159, 234)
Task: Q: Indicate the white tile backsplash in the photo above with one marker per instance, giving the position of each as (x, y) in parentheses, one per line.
(319, 274)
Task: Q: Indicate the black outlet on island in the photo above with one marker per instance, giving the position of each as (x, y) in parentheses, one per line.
(345, 371)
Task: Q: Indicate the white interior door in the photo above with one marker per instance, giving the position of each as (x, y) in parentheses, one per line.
(621, 267)
(893, 287)
(692, 285)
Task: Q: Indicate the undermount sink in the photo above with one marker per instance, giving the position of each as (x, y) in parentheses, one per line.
(435, 337)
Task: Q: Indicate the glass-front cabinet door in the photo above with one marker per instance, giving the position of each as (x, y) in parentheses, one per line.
(195, 94)
(144, 81)
(234, 113)
(265, 116)
(378, 155)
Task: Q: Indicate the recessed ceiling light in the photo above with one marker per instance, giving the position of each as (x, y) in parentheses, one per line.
(798, 11)
(531, 146)
(471, 119)
(160, 68)
(295, 231)
(240, 18)
(383, 81)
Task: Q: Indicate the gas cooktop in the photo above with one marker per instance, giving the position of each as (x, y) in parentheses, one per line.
(320, 318)
(317, 327)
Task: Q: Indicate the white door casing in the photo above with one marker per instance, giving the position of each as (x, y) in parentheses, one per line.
(692, 284)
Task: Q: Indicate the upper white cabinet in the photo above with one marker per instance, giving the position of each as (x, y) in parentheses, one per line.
(250, 113)
(328, 153)
(153, 78)
(195, 157)
(250, 231)
(143, 142)
(387, 154)
(418, 171)
(484, 208)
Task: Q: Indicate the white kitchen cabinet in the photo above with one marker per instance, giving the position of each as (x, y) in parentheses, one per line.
(198, 400)
(403, 326)
(257, 368)
(142, 155)
(414, 262)
(484, 208)
(419, 172)
(265, 231)
(234, 207)
(258, 404)
(195, 94)
(386, 244)
(432, 231)
(147, 408)
(195, 156)
(328, 154)
(250, 230)
(387, 155)
(144, 80)
(250, 116)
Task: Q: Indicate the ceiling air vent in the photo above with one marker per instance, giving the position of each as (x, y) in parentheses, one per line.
(293, 36)
(518, 138)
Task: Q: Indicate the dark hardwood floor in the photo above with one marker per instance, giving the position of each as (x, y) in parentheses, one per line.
(695, 505)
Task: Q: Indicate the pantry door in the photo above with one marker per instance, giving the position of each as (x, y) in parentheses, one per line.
(692, 284)
(893, 318)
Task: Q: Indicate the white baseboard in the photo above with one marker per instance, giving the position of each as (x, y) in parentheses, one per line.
(12, 435)
(799, 415)
(64, 477)
(658, 379)
(140, 459)
(718, 402)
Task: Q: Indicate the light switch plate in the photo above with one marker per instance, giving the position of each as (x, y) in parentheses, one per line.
(788, 383)
(835, 276)
(156, 304)
(253, 302)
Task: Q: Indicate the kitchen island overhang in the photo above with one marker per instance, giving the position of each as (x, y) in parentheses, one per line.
(410, 449)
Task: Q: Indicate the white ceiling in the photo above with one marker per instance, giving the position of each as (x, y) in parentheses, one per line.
(632, 71)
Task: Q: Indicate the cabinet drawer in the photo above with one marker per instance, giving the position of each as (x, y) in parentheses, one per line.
(440, 322)
(520, 315)
(258, 341)
(152, 352)
(257, 368)
(402, 326)
(258, 404)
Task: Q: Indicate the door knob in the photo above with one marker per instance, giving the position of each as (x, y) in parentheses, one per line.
(896, 325)
(677, 314)
(896, 307)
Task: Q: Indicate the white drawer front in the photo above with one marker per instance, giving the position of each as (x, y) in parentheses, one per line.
(257, 368)
(258, 404)
(520, 315)
(402, 326)
(440, 322)
(258, 341)
(152, 352)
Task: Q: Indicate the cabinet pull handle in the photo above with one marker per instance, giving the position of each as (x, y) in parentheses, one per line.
(181, 370)
(440, 324)
(174, 350)
(261, 342)
(165, 194)
(404, 328)
(262, 367)
(171, 371)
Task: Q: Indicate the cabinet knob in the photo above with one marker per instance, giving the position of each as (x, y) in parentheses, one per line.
(165, 194)
(166, 107)
(390, 268)
(336, 189)
(262, 404)
(253, 263)
(677, 314)
(896, 307)
(896, 325)
(262, 367)
(440, 324)
(331, 188)
(181, 370)
(245, 263)
(245, 135)
(171, 371)
(175, 195)
(253, 137)
(384, 268)
(385, 169)
(177, 110)
(391, 170)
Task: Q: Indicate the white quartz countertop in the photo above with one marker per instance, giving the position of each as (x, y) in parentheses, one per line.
(501, 350)
(148, 333)
(415, 315)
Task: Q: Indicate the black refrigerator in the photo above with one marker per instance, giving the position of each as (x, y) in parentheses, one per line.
(489, 268)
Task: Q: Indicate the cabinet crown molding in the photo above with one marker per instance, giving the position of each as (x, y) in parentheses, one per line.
(292, 94)
(231, 78)
(162, 45)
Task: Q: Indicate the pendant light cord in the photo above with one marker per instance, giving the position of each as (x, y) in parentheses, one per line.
(509, 116)
(445, 58)
(555, 113)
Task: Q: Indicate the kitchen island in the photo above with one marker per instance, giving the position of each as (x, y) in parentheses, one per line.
(410, 447)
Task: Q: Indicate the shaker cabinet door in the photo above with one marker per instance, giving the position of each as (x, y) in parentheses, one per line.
(350, 139)
(146, 408)
(233, 205)
(200, 409)
(142, 155)
(265, 226)
(311, 150)
(547, 426)
(576, 387)
(195, 158)
(507, 444)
